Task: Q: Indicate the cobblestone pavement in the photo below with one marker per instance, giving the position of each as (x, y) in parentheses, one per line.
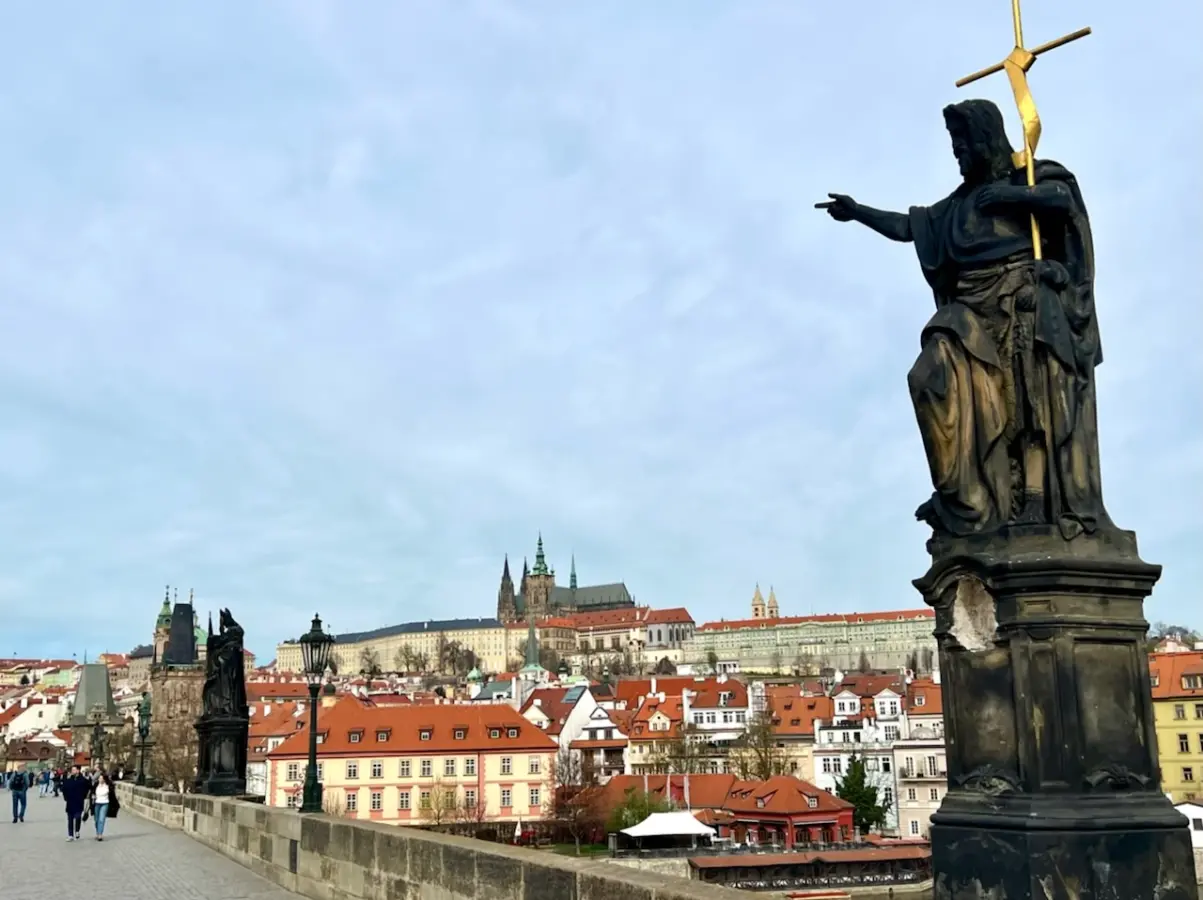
(138, 860)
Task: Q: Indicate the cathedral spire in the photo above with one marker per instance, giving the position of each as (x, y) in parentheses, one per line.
(532, 643)
(540, 560)
(572, 575)
(505, 571)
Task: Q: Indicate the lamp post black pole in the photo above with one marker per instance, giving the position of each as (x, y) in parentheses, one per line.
(311, 800)
(315, 656)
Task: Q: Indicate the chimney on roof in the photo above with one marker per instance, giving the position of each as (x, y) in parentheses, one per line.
(653, 684)
(660, 696)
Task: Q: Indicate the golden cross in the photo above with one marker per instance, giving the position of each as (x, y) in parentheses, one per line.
(1016, 66)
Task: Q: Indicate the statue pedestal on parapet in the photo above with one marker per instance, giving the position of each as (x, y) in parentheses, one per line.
(1053, 778)
(224, 725)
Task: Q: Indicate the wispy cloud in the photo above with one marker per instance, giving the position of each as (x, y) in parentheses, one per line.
(320, 307)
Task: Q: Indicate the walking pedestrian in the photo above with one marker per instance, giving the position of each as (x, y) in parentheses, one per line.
(75, 794)
(18, 786)
(102, 792)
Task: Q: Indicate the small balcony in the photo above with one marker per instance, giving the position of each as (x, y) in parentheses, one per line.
(922, 774)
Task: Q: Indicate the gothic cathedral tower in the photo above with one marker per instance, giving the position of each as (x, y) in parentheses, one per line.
(536, 595)
(507, 608)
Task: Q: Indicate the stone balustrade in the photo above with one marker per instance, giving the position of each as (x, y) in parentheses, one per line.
(339, 859)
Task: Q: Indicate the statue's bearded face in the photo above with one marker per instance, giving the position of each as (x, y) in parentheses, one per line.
(962, 148)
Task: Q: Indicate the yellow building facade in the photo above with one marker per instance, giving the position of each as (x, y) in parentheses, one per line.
(1176, 680)
(423, 764)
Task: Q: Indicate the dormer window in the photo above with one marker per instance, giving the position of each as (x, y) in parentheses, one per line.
(494, 733)
(424, 734)
(513, 732)
(382, 736)
(356, 737)
(760, 802)
(812, 802)
(919, 700)
(460, 734)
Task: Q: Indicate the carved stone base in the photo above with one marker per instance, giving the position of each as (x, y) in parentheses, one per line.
(221, 756)
(1054, 784)
(1135, 863)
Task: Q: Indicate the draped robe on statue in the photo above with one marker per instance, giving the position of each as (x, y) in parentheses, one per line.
(993, 372)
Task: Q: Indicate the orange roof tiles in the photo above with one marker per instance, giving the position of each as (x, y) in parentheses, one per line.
(1173, 673)
(794, 713)
(924, 698)
(403, 728)
(551, 704)
(677, 615)
(781, 795)
(829, 618)
(631, 690)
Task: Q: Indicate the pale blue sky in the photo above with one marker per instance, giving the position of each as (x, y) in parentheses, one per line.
(328, 305)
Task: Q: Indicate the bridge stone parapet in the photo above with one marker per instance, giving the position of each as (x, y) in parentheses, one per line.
(328, 858)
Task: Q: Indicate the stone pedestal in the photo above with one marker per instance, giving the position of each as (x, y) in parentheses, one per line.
(1054, 786)
(221, 755)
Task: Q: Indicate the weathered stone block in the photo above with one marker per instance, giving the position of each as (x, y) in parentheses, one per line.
(498, 876)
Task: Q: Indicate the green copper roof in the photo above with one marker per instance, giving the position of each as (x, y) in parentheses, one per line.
(540, 560)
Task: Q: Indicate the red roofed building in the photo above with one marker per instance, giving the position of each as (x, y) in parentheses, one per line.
(418, 764)
(806, 644)
(782, 810)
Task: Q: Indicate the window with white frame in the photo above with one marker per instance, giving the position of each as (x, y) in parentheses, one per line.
(294, 772)
(470, 798)
(534, 765)
(506, 798)
(449, 766)
(914, 826)
(534, 796)
(378, 768)
(423, 799)
(404, 769)
(470, 765)
(426, 769)
(403, 800)
(352, 801)
(507, 765)
(352, 769)
(377, 801)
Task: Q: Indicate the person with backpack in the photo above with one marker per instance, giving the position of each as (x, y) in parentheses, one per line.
(19, 788)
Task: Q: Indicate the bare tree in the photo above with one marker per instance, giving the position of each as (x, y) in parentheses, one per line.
(334, 803)
(775, 662)
(863, 664)
(369, 663)
(574, 802)
(173, 757)
(757, 752)
(801, 663)
(441, 803)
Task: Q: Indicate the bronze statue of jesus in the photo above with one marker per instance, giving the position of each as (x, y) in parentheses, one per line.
(1004, 386)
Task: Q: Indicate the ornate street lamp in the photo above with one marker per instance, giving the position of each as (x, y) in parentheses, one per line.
(144, 714)
(315, 658)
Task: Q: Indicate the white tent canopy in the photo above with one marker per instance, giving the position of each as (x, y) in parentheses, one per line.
(669, 824)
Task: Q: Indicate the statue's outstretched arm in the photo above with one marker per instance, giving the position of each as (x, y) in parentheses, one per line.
(893, 225)
(842, 208)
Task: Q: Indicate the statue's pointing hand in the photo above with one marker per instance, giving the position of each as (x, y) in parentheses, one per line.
(840, 207)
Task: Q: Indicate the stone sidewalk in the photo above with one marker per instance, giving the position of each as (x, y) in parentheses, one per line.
(137, 860)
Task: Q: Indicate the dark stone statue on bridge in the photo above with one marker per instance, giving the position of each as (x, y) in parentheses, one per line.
(1053, 775)
(1004, 386)
(224, 725)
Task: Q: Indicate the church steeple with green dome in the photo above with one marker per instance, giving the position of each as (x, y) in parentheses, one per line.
(164, 620)
(540, 560)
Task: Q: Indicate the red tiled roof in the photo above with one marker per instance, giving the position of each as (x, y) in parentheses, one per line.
(781, 795)
(257, 691)
(551, 704)
(794, 713)
(829, 618)
(932, 695)
(404, 726)
(677, 615)
(671, 707)
(1168, 671)
(631, 691)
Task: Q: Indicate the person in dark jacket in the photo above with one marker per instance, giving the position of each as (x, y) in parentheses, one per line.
(76, 789)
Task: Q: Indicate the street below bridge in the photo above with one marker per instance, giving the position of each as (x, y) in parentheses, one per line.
(137, 860)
